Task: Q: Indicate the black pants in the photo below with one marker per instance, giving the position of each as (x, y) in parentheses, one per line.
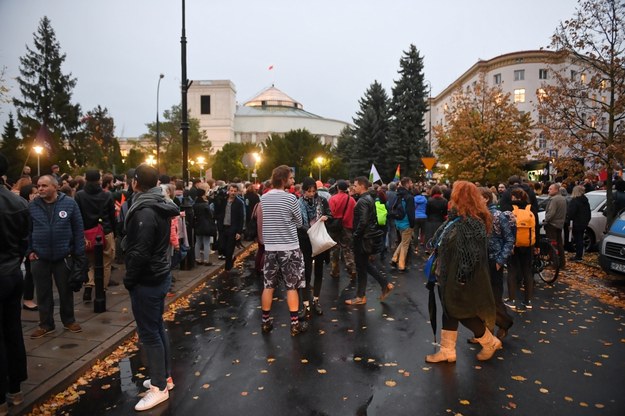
(520, 270)
(228, 241)
(29, 284)
(578, 239)
(474, 324)
(365, 264)
(503, 319)
(310, 261)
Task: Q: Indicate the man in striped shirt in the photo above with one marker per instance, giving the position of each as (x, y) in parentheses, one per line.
(283, 258)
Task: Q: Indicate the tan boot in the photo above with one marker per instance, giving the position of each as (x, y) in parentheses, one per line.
(490, 344)
(447, 352)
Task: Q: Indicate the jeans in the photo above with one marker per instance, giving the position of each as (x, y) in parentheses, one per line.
(12, 352)
(43, 273)
(363, 266)
(148, 304)
(203, 243)
(402, 249)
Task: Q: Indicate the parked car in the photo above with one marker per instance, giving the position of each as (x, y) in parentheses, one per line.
(612, 249)
(596, 228)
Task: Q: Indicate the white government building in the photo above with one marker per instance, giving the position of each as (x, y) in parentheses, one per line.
(521, 74)
(214, 104)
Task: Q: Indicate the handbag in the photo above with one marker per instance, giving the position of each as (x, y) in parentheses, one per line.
(335, 225)
(320, 240)
(90, 238)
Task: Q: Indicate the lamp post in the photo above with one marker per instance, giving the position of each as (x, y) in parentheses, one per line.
(158, 127)
(201, 161)
(38, 150)
(429, 116)
(256, 162)
(319, 162)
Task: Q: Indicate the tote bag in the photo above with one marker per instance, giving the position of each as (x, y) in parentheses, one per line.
(319, 238)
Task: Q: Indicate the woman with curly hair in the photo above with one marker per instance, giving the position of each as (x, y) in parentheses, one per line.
(463, 274)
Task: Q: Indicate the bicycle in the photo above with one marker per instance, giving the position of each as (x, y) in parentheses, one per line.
(546, 264)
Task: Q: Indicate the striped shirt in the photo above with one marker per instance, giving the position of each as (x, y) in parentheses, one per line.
(281, 217)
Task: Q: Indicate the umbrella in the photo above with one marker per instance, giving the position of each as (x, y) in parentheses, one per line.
(432, 307)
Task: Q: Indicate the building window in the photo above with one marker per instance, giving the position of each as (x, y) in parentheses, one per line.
(497, 79)
(573, 75)
(205, 104)
(542, 142)
(519, 95)
(519, 75)
(542, 73)
(542, 119)
(583, 78)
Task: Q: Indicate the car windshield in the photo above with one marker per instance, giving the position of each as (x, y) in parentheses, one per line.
(595, 200)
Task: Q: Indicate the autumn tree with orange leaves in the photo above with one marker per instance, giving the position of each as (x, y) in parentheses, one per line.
(582, 111)
(484, 137)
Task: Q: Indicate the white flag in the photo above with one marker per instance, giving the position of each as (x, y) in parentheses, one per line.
(374, 176)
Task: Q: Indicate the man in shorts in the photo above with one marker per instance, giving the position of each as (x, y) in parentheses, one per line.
(283, 258)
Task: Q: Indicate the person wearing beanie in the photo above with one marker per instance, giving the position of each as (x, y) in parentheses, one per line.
(97, 209)
(15, 223)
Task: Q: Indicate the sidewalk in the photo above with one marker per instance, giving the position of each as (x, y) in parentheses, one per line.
(57, 360)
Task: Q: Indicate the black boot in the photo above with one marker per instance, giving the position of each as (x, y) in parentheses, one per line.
(86, 296)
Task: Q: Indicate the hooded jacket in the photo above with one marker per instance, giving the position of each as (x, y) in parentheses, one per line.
(96, 205)
(148, 227)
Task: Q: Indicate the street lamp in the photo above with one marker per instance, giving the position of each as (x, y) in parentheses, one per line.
(256, 162)
(319, 162)
(38, 150)
(158, 127)
(150, 160)
(201, 160)
(430, 115)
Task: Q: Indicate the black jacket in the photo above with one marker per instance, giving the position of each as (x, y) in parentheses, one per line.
(365, 219)
(578, 211)
(436, 209)
(204, 221)
(237, 215)
(15, 226)
(148, 225)
(96, 204)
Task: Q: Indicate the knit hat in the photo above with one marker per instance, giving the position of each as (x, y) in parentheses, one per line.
(92, 175)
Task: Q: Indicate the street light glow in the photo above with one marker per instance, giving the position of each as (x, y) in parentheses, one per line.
(256, 157)
(38, 149)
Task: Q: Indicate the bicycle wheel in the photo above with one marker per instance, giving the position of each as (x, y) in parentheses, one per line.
(549, 263)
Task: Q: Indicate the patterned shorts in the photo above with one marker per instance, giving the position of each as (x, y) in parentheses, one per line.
(287, 266)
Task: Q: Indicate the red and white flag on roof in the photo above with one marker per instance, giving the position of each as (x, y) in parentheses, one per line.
(270, 67)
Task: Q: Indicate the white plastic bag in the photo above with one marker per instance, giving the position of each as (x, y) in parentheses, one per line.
(319, 238)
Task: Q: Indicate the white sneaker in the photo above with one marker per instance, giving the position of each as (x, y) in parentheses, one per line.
(153, 397)
(170, 383)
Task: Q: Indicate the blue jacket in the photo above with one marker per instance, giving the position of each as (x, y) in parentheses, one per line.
(55, 238)
(502, 237)
(408, 201)
(420, 204)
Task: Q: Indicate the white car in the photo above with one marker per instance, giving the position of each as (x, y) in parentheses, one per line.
(612, 248)
(596, 228)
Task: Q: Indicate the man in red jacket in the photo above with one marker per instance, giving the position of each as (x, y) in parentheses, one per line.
(342, 206)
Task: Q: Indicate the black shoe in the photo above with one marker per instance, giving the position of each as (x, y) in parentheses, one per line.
(266, 327)
(86, 296)
(402, 270)
(575, 259)
(304, 313)
(393, 264)
(317, 307)
(301, 326)
(113, 282)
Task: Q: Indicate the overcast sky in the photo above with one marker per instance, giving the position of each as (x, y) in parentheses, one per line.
(325, 53)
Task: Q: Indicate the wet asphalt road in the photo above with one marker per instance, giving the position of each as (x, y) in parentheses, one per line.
(565, 357)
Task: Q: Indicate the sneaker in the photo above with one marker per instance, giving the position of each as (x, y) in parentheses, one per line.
(170, 383)
(510, 303)
(41, 332)
(15, 399)
(528, 304)
(267, 326)
(153, 397)
(73, 327)
(386, 291)
(356, 301)
(301, 326)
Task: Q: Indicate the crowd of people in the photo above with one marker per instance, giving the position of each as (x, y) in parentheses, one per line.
(483, 239)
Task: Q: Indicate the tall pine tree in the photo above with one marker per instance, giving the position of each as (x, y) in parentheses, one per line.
(46, 94)
(407, 139)
(371, 132)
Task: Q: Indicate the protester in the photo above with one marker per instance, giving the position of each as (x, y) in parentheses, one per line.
(555, 216)
(342, 206)
(15, 224)
(313, 208)
(57, 235)
(367, 240)
(205, 228)
(29, 193)
(233, 220)
(421, 216)
(284, 261)
(148, 278)
(436, 211)
(578, 212)
(404, 224)
(463, 276)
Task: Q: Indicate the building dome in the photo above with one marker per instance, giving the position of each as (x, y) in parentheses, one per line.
(273, 97)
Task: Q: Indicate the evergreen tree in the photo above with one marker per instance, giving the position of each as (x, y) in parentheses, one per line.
(99, 140)
(407, 139)
(11, 147)
(372, 123)
(46, 94)
(343, 152)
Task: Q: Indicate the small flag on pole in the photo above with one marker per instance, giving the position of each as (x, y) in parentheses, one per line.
(374, 176)
(270, 67)
(397, 175)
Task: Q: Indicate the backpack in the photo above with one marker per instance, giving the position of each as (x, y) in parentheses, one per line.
(525, 226)
(398, 209)
(381, 212)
